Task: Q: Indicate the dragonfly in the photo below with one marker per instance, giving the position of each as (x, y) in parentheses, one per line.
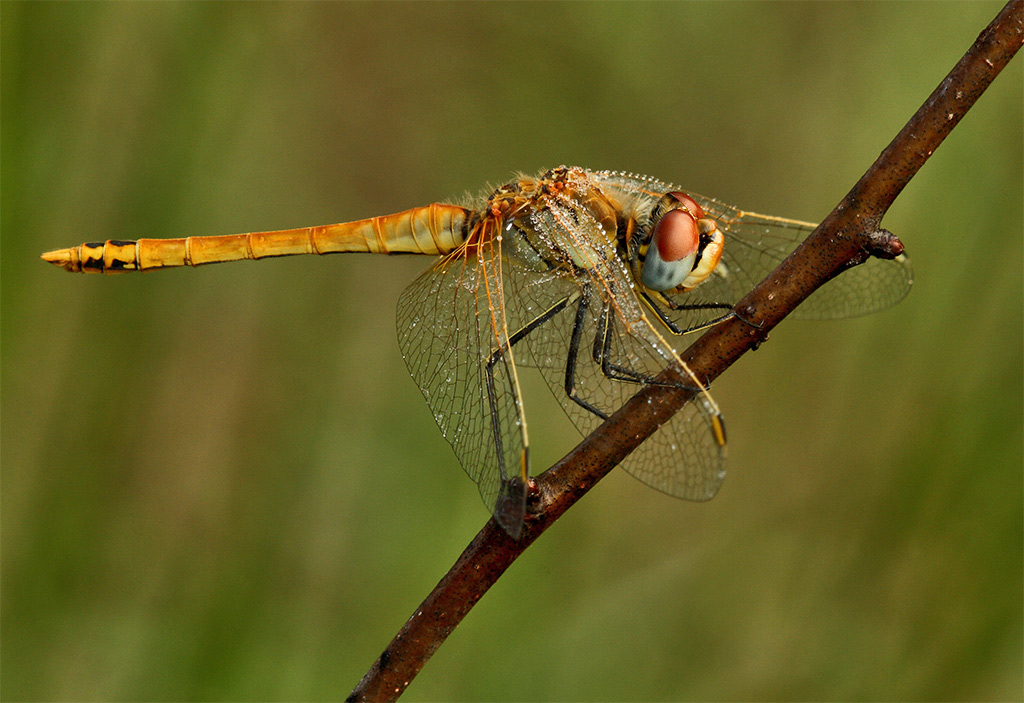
(587, 276)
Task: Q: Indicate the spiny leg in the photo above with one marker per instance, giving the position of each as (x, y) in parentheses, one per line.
(574, 348)
(601, 353)
(676, 329)
(618, 372)
(602, 356)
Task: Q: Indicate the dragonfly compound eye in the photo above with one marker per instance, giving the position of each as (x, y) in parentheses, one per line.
(672, 251)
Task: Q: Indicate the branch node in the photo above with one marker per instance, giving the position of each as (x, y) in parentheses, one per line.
(883, 244)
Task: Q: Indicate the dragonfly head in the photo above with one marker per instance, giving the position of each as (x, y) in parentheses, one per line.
(682, 246)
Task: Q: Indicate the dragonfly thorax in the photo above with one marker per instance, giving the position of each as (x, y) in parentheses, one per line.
(558, 213)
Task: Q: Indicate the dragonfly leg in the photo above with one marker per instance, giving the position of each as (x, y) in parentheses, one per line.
(676, 329)
(617, 372)
(746, 321)
(602, 356)
(570, 363)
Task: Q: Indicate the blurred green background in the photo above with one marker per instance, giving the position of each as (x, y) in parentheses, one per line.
(221, 483)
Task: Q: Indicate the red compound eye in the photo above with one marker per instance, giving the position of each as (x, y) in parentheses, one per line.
(690, 204)
(676, 236)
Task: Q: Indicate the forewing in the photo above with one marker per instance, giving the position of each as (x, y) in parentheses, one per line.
(756, 244)
(451, 330)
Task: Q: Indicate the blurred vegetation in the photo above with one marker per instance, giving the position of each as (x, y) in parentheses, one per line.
(221, 483)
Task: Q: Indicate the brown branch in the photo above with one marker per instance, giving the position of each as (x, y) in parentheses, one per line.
(847, 237)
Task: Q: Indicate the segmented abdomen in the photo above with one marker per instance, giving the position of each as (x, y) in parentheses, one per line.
(434, 229)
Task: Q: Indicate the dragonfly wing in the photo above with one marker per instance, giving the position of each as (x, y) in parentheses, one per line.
(756, 244)
(618, 353)
(451, 330)
(875, 285)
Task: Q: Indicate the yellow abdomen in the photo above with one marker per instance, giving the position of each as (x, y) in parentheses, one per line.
(434, 229)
